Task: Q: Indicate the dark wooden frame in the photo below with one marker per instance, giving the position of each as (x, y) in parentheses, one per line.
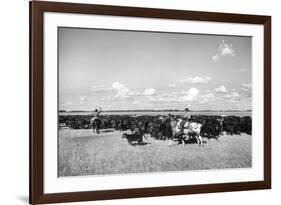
(37, 9)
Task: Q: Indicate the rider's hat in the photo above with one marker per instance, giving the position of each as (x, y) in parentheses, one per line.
(186, 109)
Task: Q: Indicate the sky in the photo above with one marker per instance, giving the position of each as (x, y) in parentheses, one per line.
(128, 70)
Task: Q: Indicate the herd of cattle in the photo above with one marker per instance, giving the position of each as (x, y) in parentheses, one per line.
(159, 127)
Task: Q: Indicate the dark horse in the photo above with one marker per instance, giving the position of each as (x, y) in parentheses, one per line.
(96, 124)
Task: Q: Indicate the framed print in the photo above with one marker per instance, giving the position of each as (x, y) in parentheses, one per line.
(139, 102)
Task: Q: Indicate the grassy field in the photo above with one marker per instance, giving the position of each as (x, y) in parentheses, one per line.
(83, 153)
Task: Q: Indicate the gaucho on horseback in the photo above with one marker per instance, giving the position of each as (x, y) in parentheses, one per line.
(183, 128)
(186, 116)
(96, 121)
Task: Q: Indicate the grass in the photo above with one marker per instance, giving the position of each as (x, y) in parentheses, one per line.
(83, 153)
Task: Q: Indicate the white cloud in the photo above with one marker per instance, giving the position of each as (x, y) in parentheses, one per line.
(195, 80)
(121, 89)
(207, 97)
(106, 98)
(221, 89)
(190, 95)
(208, 78)
(247, 85)
(176, 97)
(149, 92)
(191, 80)
(215, 57)
(100, 88)
(235, 100)
(135, 102)
(203, 101)
(233, 97)
(227, 50)
(224, 50)
(123, 92)
(83, 98)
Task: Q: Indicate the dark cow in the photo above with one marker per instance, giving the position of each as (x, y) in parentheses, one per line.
(231, 125)
(246, 125)
(211, 129)
(162, 129)
(137, 138)
(76, 124)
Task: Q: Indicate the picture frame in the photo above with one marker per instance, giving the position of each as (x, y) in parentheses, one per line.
(37, 194)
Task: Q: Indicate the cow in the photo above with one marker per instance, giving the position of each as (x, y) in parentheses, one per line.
(231, 125)
(246, 125)
(211, 129)
(163, 128)
(133, 138)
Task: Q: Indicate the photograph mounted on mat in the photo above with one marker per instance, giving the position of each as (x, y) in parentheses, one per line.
(130, 102)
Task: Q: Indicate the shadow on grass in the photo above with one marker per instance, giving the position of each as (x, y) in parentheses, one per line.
(105, 131)
(187, 142)
(140, 144)
(193, 141)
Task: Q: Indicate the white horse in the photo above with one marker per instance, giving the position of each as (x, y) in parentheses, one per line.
(189, 129)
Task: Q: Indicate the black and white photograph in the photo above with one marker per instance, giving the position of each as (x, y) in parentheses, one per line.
(150, 102)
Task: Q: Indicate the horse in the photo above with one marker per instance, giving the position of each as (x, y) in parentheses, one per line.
(190, 129)
(164, 128)
(96, 124)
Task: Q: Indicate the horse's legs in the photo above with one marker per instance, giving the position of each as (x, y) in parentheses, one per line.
(182, 140)
(170, 142)
(199, 140)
